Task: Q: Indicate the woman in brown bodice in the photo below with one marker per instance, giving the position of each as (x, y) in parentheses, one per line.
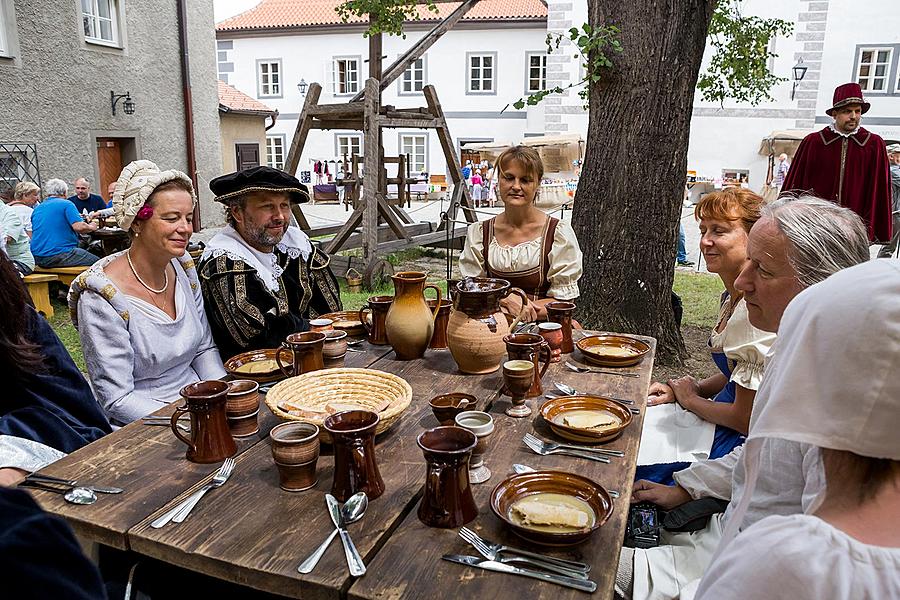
(524, 245)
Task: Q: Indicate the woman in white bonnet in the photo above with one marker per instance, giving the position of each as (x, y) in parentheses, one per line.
(139, 312)
(833, 383)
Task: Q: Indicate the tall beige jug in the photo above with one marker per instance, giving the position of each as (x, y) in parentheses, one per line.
(409, 321)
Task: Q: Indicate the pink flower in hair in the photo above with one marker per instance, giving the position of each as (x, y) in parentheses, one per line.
(145, 213)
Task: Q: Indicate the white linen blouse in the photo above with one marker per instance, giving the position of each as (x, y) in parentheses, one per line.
(137, 357)
(565, 258)
(800, 557)
(745, 346)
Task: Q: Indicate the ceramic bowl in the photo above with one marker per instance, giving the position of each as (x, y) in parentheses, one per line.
(553, 409)
(242, 398)
(517, 487)
(601, 350)
(446, 406)
(346, 320)
(236, 365)
(295, 443)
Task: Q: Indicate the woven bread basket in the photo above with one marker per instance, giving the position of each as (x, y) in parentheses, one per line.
(311, 397)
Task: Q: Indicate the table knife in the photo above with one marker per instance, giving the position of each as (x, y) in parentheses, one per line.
(73, 483)
(354, 560)
(492, 565)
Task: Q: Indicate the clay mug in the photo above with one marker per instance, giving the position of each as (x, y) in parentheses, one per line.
(210, 439)
(410, 322)
(530, 346)
(448, 501)
(334, 348)
(355, 470)
(307, 350)
(561, 312)
(481, 424)
(518, 376)
(439, 337)
(295, 449)
(321, 325)
(552, 334)
(378, 307)
(242, 407)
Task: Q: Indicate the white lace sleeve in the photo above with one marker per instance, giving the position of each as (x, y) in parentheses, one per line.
(565, 264)
(747, 346)
(471, 261)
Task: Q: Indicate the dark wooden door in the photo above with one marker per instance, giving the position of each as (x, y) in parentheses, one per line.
(109, 163)
(247, 156)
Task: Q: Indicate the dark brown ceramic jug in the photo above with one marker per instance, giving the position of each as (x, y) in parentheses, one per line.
(448, 501)
(353, 435)
(307, 350)
(439, 337)
(210, 439)
(378, 307)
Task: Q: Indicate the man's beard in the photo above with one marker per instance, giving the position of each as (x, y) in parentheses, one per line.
(259, 235)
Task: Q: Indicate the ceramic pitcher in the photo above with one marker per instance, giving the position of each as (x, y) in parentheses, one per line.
(210, 439)
(477, 325)
(410, 323)
(448, 501)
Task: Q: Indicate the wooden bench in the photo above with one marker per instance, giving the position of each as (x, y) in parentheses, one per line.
(39, 289)
(66, 275)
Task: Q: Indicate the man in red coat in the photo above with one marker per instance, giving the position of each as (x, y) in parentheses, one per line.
(846, 164)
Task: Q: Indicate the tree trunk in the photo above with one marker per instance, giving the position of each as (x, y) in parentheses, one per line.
(632, 185)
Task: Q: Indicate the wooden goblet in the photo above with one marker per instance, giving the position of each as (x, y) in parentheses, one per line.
(518, 375)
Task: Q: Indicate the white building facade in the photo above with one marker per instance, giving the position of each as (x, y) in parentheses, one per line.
(479, 67)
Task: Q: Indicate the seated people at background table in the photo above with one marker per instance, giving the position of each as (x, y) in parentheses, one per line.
(56, 224)
(17, 242)
(530, 249)
(262, 279)
(84, 200)
(139, 312)
(738, 348)
(832, 385)
(795, 244)
(47, 408)
(23, 201)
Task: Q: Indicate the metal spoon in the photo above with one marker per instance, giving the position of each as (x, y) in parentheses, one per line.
(519, 469)
(568, 390)
(75, 495)
(352, 510)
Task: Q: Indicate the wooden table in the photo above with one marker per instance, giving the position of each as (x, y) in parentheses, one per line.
(252, 533)
(112, 239)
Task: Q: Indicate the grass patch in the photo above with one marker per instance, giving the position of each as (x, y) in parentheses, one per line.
(67, 333)
(700, 294)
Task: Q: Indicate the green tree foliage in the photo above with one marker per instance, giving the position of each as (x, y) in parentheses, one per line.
(387, 16)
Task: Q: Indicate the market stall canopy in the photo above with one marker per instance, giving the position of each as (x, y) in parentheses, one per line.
(782, 141)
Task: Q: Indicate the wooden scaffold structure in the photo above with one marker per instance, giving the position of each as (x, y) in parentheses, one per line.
(365, 112)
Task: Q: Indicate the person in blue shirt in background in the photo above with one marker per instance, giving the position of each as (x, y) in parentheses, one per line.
(83, 199)
(55, 225)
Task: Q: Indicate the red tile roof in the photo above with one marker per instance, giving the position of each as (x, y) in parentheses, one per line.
(279, 14)
(233, 100)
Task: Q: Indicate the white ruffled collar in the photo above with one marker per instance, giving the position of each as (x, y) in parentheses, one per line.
(295, 244)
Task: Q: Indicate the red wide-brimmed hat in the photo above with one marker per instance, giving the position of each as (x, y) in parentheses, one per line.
(849, 93)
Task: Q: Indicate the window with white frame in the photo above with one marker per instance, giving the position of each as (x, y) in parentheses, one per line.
(347, 144)
(874, 68)
(481, 73)
(414, 146)
(275, 151)
(413, 79)
(345, 75)
(101, 21)
(537, 72)
(4, 38)
(268, 78)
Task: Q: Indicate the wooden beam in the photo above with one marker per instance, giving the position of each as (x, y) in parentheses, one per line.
(354, 109)
(391, 218)
(356, 124)
(409, 123)
(372, 168)
(301, 218)
(419, 48)
(346, 231)
(303, 124)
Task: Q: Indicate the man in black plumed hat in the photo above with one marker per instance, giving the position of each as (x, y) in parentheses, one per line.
(261, 277)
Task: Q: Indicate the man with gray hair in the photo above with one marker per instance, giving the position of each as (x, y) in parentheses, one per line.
(55, 225)
(796, 243)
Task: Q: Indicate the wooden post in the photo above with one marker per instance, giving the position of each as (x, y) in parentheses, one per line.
(303, 125)
(371, 154)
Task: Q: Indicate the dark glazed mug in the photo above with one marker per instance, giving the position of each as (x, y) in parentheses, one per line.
(530, 346)
(210, 439)
(561, 312)
(448, 501)
(439, 337)
(353, 435)
(306, 348)
(378, 306)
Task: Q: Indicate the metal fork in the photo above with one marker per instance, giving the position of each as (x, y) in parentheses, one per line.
(497, 548)
(218, 479)
(539, 449)
(479, 545)
(556, 445)
(578, 369)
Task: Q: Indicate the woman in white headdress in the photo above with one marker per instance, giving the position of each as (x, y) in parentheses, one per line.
(838, 350)
(139, 312)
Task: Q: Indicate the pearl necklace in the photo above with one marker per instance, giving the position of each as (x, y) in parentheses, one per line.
(141, 281)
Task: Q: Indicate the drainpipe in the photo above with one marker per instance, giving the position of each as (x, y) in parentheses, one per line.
(274, 118)
(188, 103)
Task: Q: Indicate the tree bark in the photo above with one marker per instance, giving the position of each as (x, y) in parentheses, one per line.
(632, 184)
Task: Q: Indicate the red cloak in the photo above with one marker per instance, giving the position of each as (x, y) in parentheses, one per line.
(852, 171)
